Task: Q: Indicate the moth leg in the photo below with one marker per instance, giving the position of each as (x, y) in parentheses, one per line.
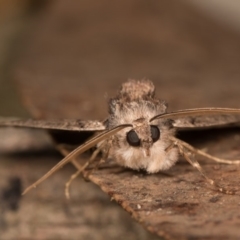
(80, 170)
(171, 146)
(65, 150)
(196, 165)
(102, 160)
(202, 153)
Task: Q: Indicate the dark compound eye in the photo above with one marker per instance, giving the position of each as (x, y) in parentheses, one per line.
(133, 139)
(155, 133)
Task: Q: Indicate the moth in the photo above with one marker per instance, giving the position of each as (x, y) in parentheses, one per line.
(138, 133)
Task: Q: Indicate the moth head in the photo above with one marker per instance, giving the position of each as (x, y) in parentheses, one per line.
(143, 135)
(135, 139)
(143, 145)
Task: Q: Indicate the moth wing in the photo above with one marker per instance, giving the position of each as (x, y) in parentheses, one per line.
(202, 117)
(58, 124)
(206, 121)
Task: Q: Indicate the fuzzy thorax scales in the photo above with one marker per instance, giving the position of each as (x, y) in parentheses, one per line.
(136, 105)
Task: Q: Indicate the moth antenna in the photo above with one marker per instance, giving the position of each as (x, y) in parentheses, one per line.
(196, 165)
(196, 111)
(79, 150)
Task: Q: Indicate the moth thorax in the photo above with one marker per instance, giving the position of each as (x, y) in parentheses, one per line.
(140, 89)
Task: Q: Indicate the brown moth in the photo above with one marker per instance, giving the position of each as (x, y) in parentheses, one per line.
(138, 133)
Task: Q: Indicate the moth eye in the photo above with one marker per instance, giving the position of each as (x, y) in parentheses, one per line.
(155, 133)
(133, 139)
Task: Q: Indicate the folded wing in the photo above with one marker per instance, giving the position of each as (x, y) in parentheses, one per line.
(60, 124)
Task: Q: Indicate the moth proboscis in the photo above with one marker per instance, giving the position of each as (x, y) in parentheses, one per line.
(138, 133)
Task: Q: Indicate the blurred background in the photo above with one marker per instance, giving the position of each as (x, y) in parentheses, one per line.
(183, 46)
(64, 58)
